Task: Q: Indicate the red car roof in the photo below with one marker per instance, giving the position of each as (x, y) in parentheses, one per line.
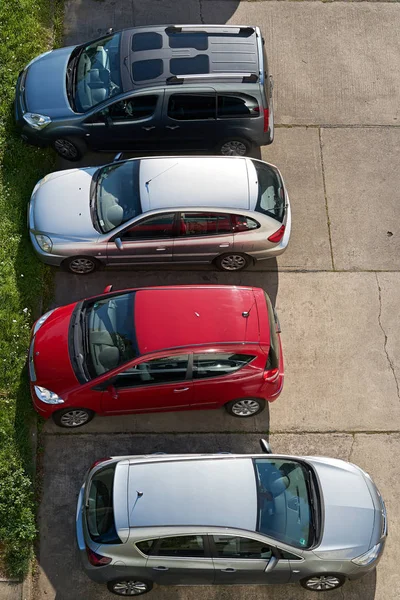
(191, 315)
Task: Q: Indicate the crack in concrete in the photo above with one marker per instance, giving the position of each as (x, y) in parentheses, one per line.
(390, 362)
(201, 12)
(351, 447)
(326, 197)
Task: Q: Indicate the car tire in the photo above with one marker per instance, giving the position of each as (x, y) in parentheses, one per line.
(244, 408)
(127, 586)
(72, 417)
(71, 149)
(81, 265)
(233, 261)
(234, 146)
(325, 582)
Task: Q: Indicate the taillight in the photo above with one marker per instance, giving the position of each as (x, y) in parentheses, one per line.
(100, 460)
(278, 235)
(271, 375)
(266, 119)
(96, 559)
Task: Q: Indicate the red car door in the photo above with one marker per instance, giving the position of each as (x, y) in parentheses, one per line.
(156, 384)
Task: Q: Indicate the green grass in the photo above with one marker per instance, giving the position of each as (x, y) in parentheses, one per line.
(27, 29)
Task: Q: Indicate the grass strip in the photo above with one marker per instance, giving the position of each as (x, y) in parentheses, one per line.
(27, 29)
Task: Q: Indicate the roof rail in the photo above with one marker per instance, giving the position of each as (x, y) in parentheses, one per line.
(230, 29)
(246, 77)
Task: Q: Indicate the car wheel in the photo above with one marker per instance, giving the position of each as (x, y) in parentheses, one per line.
(70, 149)
(81, 265)
(322, 583)
(245, 407)
(129, 587)
(72, 417)
(234, 147)
(234, 261)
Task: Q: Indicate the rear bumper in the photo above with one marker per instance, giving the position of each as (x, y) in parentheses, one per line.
(283, 244)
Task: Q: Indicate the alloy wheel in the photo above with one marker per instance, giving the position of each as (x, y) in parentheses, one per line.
(74, 418)
(244, 408)
(233, 148)
(81, 265)
(233, 262)
(323, 583)
(66, 148)
(130, 588)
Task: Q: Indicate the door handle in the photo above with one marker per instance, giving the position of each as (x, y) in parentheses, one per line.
(177, 390)
(172, 126)
(224, 245)
(160, 249)
(229, 570)
(149, 128)
(160, 568)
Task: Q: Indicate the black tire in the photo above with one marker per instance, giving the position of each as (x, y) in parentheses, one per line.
(233, 261)
(245, 405)
(305, 583)
(80, 265)
(72, 415)
(130, 580)
(233, 146)
(71, 149)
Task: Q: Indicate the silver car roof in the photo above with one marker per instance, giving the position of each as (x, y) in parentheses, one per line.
(167, 182)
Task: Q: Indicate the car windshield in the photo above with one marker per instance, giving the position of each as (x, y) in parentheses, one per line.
(97, 73)
(99, 507)
(110, 338)
(271, 195)
(285, 510)
(115, 194)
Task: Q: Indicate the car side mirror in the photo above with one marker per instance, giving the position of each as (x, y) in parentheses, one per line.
(118, 156)
(265, 447)
(107, 289)
(110, 30)
(118, 243)
(273, 561)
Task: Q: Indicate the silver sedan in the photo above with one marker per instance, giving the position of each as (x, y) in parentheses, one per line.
(230, 211)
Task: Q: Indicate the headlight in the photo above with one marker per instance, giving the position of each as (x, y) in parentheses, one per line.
(369, 557)
(44, 242)
(36, 121)
(40, 321)
(47, 396)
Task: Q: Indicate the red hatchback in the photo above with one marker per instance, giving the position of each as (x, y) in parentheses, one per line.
(157, 349)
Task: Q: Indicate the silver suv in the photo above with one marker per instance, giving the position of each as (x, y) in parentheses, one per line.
(228, 519)
(232, 211)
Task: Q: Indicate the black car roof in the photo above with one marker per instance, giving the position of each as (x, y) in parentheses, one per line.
(189, 53)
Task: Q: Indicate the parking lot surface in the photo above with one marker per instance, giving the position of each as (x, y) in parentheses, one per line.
(336, 288)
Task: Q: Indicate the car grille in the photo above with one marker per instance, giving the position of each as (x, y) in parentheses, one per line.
(31, 364)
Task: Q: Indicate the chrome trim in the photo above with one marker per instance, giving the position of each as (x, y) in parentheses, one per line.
(31, 364)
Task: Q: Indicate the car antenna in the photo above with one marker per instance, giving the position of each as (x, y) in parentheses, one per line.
(158, 175)
(246, 313)
(138, 495)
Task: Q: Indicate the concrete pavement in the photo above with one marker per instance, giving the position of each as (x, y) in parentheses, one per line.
(336, 289)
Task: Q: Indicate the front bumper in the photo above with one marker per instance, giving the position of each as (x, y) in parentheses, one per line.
(49, 259)
(29, 135)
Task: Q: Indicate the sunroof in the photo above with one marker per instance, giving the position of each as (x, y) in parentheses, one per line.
(189, 40)
(190, 66)
(146, 41)
(147, 69)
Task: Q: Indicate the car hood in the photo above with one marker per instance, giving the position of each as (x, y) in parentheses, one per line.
(51, 356)
(45, 84)
(348, 510)
(60, 205)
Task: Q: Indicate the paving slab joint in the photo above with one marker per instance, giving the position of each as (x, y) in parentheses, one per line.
(390, 362)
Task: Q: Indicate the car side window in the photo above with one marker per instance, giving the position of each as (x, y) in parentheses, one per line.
(154, 372)
(152, 228)
(193, 224)
(189, 107)
(147, 546)
(243, 223)
(129, 109)
(229, 107)
(229, 546)
(182, 545)
(215, 364)
(289, 556)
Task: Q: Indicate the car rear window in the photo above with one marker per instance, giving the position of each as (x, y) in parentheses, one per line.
(99, 507)
(271, 195)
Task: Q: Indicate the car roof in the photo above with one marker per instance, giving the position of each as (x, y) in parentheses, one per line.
(183, 316)
(196, 492)
(169, 54)
(226, 182)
